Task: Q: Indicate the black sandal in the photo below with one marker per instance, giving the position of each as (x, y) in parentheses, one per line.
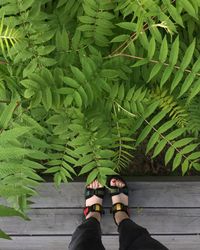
(115, 191)
(89, 192)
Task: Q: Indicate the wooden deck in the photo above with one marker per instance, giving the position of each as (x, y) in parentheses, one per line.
(169, 210)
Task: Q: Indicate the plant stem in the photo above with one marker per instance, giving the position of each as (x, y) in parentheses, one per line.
(126, 111)
(3, 62)
(161, 135)
(133, 36)
(153, 61)
(119, 135)
(4, 101)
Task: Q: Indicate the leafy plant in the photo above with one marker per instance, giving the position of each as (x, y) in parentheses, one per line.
(8, 37)
(7, 211)
(84, 83)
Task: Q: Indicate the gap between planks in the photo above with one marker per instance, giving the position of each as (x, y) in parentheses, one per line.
(110, 242)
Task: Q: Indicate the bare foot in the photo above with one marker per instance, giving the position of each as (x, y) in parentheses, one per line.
(119, 198)
(94, 200)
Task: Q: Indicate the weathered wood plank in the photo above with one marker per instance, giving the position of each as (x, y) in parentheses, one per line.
(184, 242)
(142, 194)
(64, 221)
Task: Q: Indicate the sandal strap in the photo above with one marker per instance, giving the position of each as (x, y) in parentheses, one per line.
(116, 190)
(120, 207)
(99, 192)
(93, 208)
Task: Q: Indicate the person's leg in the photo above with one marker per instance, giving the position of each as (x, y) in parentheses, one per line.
(132, 236)
(88, 235)
(135, 237)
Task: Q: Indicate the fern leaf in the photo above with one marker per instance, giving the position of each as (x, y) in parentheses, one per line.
(169, 154)
(92, 176)
(176, 161)
(8, 37)
(7, 114)
(188, 56)
(173, 12)
(163, 51)
(174, 52)
(94, 26)
(194, 91)
(3, 235)
(151, 49)
(189, 8)
(159, 147)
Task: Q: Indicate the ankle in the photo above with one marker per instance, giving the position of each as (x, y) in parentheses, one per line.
(96, 215)
(120, 216)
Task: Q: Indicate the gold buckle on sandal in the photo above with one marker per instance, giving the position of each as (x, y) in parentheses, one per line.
(97, 208)
(118, 207)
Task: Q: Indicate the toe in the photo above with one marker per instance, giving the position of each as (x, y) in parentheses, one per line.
(99, 184)
(93, 199)
(120, 184)
(117, 183)
(113, 182)
(95, 184)
(91, 185)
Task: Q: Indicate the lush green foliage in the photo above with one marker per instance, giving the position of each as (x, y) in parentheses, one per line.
(84, 82)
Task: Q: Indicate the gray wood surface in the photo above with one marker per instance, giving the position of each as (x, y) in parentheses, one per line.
(169, 210)
(142, 194)
(64, 221)
(110, 242)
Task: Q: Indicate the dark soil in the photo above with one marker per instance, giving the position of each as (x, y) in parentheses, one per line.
(143, 165)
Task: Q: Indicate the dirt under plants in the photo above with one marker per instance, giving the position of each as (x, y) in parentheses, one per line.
(143, 165)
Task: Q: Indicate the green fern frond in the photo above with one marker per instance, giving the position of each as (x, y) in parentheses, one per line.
(18, 175)
(85, 79)
(68, 9)
(8, 37)
(88, 146)
(7, 113)
(8, 211)
(193, 117)
(164, 133)
(166, 70)
(169, 105)
(184, 148)
(96, 23)
(123, 143)
(143, 18)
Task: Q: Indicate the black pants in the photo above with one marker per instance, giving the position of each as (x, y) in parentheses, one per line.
(131, 237)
